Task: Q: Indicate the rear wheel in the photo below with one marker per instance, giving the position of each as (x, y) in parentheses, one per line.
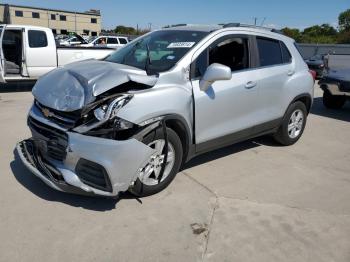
(153, 177)
(333, 102)
(293, 124)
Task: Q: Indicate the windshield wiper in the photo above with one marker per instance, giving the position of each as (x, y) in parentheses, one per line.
(148, 59)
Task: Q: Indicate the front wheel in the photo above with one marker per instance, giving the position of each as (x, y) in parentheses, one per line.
(293, 124)
(153, 177)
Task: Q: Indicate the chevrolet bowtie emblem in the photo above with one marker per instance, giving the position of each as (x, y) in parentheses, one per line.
(46, 112)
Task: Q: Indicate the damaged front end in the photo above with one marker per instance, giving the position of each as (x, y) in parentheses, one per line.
(83, 146)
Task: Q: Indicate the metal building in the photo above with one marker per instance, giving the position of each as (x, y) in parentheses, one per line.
(60, 21)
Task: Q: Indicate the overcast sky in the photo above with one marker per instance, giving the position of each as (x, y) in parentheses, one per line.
(277, 13)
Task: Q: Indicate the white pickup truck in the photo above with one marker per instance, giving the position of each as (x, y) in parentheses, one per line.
(28, 52)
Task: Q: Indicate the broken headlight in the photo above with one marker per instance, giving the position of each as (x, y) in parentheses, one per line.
(106, 113)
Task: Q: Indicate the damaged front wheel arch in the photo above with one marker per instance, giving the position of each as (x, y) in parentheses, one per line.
(143, 189)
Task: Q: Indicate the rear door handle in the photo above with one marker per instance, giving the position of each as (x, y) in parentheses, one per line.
(250, 84)
(290, 72)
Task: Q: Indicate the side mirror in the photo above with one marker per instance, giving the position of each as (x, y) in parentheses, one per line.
(214, 72)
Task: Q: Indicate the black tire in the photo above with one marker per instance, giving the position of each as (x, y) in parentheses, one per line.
(141, 190)
(282, 136)
(333, 102)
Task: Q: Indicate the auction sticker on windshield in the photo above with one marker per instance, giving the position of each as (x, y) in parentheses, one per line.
(181, 45)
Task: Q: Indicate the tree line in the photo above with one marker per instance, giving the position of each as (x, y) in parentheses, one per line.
(323, 34)
(127, 30)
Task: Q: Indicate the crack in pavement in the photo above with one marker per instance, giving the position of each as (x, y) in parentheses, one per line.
(262, 203)
(216, 205)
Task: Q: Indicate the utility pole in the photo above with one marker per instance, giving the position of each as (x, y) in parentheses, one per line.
(48, 19)
(255, 20)
(75, 22)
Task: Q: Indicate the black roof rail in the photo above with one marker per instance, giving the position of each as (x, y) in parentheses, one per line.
(231, 25)
(252, 26)
(177, 25)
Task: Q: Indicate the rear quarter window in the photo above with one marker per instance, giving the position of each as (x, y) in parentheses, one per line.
(286, 56)
(269, 51)
(123, 41)
(37, 38)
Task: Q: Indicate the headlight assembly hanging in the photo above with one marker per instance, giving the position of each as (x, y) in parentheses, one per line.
(105, 113)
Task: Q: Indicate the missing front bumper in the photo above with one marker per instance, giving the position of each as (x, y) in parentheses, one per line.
(28, 158)
(119, 160)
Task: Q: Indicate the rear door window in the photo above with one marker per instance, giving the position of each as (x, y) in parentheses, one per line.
(37, 38)
(269, 52)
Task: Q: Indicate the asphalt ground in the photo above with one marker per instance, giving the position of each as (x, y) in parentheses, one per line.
(253, 201)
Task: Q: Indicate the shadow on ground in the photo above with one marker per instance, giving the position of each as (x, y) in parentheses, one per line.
(17, 87)
(40, 189)
(319, 109)
(229, 150)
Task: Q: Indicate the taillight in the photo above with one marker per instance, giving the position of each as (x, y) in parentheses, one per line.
(313, 73)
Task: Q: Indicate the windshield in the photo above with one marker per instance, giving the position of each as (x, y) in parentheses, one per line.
(157, 52)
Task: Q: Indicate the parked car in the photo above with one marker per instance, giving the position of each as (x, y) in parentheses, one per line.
(108, 41)
(336, 81)
(73, 40)
(131, 120)
(28, 52)
(316, 63)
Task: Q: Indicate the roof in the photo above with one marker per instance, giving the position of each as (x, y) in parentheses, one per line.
(191, 27)
(25, 26)
(230, 26)
(90, 12)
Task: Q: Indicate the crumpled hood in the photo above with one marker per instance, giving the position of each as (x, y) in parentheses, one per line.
(75, 85)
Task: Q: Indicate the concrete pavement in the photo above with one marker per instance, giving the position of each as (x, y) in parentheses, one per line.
(255, 201)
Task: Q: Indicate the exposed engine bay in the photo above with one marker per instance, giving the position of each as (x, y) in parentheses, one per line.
(76, 115)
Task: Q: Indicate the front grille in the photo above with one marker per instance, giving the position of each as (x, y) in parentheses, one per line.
(93, 175)
(56, 141)
(65, 119)
(33, 157)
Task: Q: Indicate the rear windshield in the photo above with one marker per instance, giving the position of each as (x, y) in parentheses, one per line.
(158, 51)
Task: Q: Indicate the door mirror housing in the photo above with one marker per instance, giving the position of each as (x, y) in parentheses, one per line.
(214, 72)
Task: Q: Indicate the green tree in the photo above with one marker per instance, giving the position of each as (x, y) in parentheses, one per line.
(293, 33)
(344, 20)
(322, 34)
(344, 37)
(126, 30)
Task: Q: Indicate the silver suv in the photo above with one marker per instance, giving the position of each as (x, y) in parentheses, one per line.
(131, 120)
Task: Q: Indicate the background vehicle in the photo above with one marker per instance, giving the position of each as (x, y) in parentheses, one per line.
(336, 81)
(108, 41)
(28, 52)
(316, 63)
(130, 121)
(73, 40)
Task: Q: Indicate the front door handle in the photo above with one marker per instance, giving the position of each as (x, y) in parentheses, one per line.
(250, 84)
(290, 72)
